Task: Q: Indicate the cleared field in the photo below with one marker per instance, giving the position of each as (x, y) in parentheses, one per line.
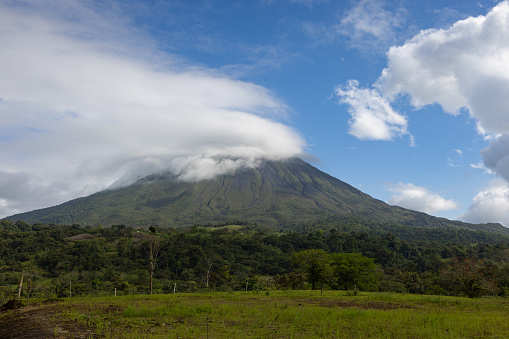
(276, 314)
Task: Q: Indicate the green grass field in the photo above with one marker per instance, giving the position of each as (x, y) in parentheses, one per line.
(287, 314)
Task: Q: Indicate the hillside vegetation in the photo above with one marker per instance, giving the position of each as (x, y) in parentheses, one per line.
(276, 194)
(55, 261)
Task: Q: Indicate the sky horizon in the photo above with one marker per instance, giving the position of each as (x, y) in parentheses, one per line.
(403, 100)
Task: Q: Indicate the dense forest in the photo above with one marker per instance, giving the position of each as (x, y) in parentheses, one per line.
(73, 260)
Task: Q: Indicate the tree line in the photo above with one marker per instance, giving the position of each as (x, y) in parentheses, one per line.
(56, 260)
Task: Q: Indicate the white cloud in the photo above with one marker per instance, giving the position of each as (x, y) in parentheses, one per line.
(308, 3)
(369, 17)
(419, 199)
(490, 205)
(90, 102)
(373, 118)
(464, 68)
(479, 165)
(455, 161)
(369, 24)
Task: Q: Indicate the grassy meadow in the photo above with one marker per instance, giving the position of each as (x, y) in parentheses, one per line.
(287, 314)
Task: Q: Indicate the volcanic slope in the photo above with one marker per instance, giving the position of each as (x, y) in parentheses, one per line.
(275, 193)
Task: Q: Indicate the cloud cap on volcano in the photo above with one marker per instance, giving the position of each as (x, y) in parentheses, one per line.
(90, 102)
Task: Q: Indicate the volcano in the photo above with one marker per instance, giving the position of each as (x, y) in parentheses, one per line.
(275, 193)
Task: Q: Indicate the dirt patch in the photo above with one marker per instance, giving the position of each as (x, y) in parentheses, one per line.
(84, 236)
(11, 305)
(138, 236)
(40, 322)
(367, 305)
(327, 302)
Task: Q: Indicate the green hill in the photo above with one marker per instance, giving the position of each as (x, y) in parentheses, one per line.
(276, 193)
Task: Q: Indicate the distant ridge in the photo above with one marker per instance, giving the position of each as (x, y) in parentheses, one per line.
(275, 193)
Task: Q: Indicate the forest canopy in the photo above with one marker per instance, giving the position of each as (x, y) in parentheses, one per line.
(61, 259)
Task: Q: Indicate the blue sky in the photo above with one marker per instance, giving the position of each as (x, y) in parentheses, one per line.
(405, 100)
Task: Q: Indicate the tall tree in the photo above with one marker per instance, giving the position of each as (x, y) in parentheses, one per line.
(469, 277)
(353, 270)
(315, 264)
(154, 245)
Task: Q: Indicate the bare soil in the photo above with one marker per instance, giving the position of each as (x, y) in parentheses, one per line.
(332, 303)
(371, 305)
(39, 322)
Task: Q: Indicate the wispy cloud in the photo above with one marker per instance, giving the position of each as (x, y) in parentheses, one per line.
(259, 59)
(91, 102)
(456, 159)
(369, 19)
(308, 3)
(419, 199)
(481, 166)
(369, 26)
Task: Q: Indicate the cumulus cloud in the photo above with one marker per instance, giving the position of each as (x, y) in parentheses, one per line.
(419, 199)
(373, 117)
(90, 102)
(463, 68)
(496, 157)
(490, 205)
